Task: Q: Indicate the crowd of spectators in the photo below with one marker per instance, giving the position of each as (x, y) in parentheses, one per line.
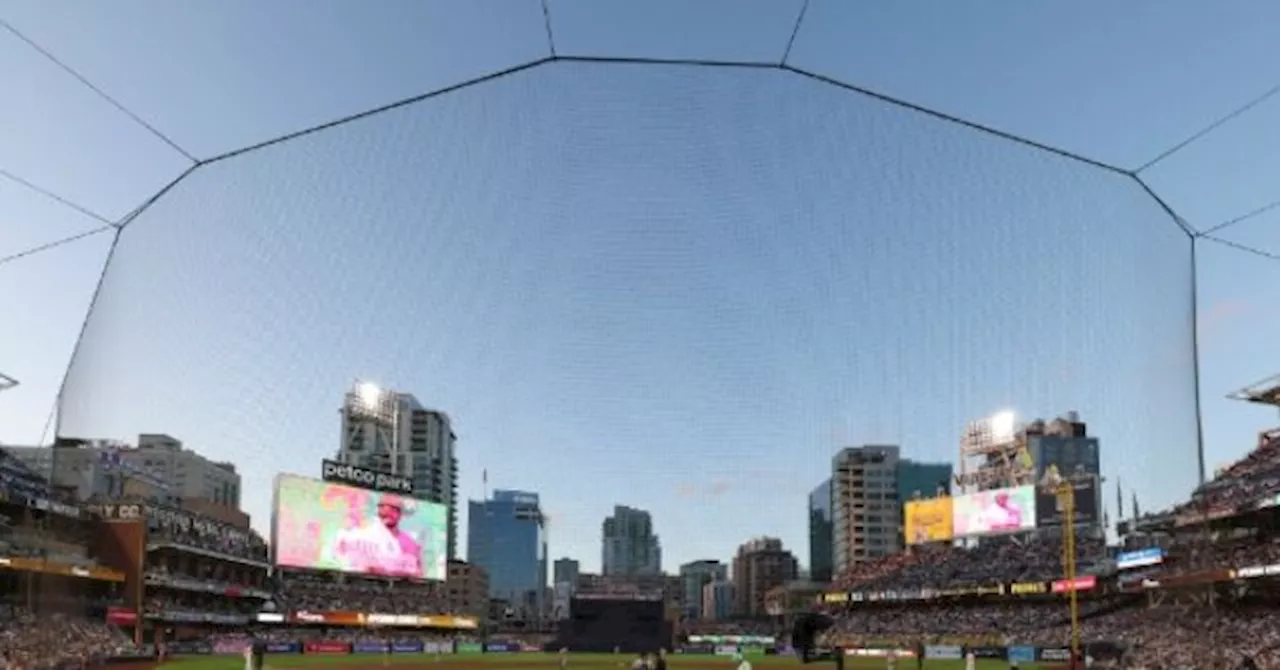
(35, 534)
(203, 579)
(947, 623)
(31, 642)
(1162, 637)
(187, 529)
(741, 627)
(1244, 482)
(320, 592)
(995, 561)
(1218, 551)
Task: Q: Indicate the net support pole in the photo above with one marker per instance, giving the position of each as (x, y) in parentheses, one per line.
(1067, 498)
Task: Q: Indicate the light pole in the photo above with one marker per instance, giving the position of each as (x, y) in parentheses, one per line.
(1065, 492)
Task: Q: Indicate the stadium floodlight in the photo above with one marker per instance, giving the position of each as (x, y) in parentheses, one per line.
(1003, 425)
(367, 400)
(7, 382)
(369, 394)
(993, 453)
(991, 433)
(370, 402)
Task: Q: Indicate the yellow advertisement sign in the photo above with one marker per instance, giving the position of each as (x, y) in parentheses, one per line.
(928, 520)
(64, 569)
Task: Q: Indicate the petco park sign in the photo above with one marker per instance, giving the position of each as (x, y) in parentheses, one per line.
(365, 478)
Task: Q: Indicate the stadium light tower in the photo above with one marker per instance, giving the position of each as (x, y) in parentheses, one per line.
(371, 404)
(993, 454)
(1065, 491)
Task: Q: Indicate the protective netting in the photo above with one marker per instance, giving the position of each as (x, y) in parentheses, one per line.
(689, 282)
(686, 282)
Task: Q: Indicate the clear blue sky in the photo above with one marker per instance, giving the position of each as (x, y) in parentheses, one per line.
(678, 289)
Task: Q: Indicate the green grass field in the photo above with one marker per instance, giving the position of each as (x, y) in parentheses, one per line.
(549, 661)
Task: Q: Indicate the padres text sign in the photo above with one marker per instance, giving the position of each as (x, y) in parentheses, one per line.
(365, 478)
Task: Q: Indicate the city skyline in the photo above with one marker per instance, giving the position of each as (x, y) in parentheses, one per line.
(1049, 441)
(681, 288)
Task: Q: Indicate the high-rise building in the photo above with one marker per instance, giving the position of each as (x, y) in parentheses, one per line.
(468, 589)
(821, 551)
(1065, 443)
(915, 480)
(506, 535)
(562, 600)
(630, 547)
(392, 432)
(566, 570)
(718, 600)
(158, 467)
(866, 515)
(760, 565)
(695, 575)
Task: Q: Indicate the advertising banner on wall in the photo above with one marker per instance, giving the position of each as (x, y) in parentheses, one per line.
(327, 647)
(121, 616)
(1083, 583)
(1128, 560)
(1049, 514)
(987, 652)
(928, 520)
(949, 652)
(1007, 510)
(1028, 588)
(185, 648)
(368, 648)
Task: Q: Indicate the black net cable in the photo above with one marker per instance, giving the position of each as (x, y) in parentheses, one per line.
(109, 226)
(781, 65)
(98, 91)
(47, 246)
(1168, 209)
(548, 26)
(546, 22)
(1209, 128)
(66, 202)
(492, 76)
(795, 30)
(1244, 248)
(950, 118)
(1243, 217)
